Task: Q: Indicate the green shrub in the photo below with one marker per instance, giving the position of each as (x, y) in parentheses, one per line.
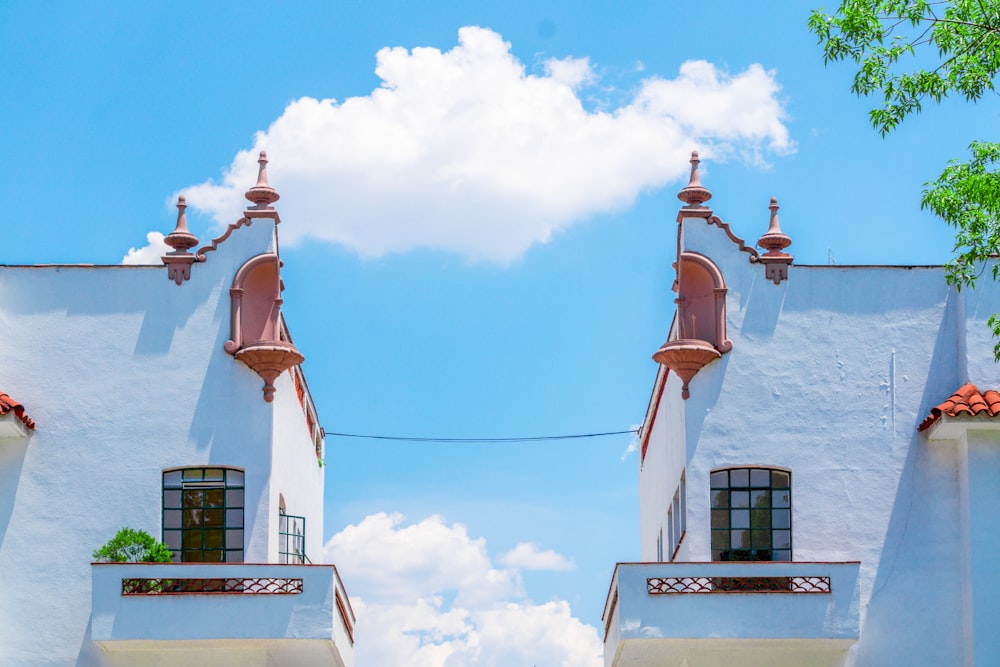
(133, 546)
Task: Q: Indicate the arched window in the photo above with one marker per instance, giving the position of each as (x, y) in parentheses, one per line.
(203, 514)
(751, 514)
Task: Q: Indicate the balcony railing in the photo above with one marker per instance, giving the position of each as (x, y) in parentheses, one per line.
(658, 613)
(298, 613)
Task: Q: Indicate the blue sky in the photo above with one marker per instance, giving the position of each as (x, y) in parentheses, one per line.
(477, 236)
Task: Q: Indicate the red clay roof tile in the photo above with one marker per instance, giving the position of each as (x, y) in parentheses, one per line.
(8, 405)
(966, 401)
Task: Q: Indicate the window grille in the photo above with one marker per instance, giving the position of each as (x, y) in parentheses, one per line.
(203, 514)
(751, 514)
(292, 539)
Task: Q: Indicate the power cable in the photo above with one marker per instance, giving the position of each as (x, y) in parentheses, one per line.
(404, 438)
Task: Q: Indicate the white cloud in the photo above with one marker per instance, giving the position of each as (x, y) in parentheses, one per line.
(462, 150)
(633, 441)
(527, 556)
(150, 253)
(427, 595)
(573, 72)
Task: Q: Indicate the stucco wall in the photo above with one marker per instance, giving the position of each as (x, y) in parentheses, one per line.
(124, 373)
(830, 374)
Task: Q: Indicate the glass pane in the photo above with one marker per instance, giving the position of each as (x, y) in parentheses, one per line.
(214, 556)
(760, 539)
(194, 498)
(740, 539)
(213, 474)
(716, 555)
(760, 479)
(213, 519)
(234, 539)
(234, 518)
(234, 556)
(740, 498)
(172, 498)
(192, 518)
(172, 538)
(720, 498)
(234, 478)
(740, 519)
(781, 518)
(234, 497)
(171, 518)
(172, 478)
(782, 555)
(739, 478)
(779, 479)
(214, 497)
(720, 518)
(720, 539)
(191, 556)
(213, 539)
(192, 539)
(759, 498)
(720, 480)
(193, 474)
(782, 539)
(781, 498)
(760, 519)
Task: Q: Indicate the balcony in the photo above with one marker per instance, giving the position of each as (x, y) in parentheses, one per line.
(700, 614)
(206, 613)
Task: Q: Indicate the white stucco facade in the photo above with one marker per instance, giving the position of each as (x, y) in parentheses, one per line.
(125, 375)
(830, 374)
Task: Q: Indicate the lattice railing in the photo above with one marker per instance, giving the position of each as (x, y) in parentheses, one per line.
(240, 586)
(687, 585)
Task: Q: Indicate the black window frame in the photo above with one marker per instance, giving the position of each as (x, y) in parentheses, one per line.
(753, 511)
(203, 513)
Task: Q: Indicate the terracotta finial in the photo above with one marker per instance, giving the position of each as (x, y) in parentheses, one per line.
(179, 260)
(776, 261)
(694, 194)
(262, 194)
(774, 241)
(181, 239)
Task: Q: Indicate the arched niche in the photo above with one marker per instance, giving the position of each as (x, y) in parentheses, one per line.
(255, 321)
(699, 337)
(701, 301)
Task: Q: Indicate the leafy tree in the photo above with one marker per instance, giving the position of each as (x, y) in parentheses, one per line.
(913, 51)
(133, 546)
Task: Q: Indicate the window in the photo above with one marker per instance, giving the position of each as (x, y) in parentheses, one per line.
(203, 514)
(676, 519)
(751, 514)
(291, 539)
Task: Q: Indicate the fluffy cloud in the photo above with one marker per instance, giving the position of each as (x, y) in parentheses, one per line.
(148, 254)
(464, 151)
(428, 595)
(527, 556)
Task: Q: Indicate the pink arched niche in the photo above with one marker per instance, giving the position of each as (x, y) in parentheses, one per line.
(701, 301)
(699, 337)
(255, 302)
(255, 321)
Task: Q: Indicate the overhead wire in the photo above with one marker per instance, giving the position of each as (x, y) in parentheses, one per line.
(405, 438)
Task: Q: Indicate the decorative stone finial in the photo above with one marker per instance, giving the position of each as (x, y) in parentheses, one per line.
(181, 239)
(774, 241)
(776, 261)
(179, 261)
(262, 194)
(695, 194)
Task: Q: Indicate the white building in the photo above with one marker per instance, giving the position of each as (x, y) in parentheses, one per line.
(798, 505)
(144, 390)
